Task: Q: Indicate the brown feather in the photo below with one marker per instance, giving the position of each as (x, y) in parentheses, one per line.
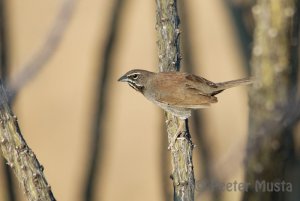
(176, 93)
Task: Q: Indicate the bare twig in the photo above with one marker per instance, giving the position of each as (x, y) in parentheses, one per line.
(47, 50)
(105, 68)
(167, 25)
(19, 156)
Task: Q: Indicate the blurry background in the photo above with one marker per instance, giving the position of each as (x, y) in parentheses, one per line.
(57, 107)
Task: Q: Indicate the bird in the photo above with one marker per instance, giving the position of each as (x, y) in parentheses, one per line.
(178, 92)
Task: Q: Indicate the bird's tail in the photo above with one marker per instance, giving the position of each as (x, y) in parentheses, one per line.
(233, 83)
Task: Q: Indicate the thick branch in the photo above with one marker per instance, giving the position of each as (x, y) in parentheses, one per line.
(20, 157)
(167, 26)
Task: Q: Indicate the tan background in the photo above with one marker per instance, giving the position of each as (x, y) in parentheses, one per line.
(55, 109)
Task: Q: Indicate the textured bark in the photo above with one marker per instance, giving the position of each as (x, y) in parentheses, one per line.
(167, 26)
(270, 143)
(20, 157)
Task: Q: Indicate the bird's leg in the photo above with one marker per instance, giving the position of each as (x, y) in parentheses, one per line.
(178, 132)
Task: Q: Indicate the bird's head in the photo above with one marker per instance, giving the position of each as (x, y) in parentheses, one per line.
(136, 78)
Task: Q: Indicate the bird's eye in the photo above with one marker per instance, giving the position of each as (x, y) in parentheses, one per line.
(135, 76)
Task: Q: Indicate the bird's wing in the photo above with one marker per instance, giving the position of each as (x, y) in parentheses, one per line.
(188, 99)
(179, 90)
(200, 84)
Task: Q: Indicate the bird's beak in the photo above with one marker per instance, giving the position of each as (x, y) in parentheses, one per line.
(123, 79)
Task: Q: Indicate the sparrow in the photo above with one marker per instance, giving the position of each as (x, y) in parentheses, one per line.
(178, 92)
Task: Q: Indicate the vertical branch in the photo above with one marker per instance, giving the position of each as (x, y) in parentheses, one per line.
(98, 121)
(3, 41)
(242, 18)
(200, 139)
(10, 188)
(20, 157)
(270, 149)
(167, 26)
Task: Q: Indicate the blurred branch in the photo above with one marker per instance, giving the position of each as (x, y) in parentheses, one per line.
(3, 41)
(274, 37)
(19, 156)
(231, 161)
(200, 139)
(98, 120)
(243, 20)
(270, 128)
(167, 26)
(45, 53)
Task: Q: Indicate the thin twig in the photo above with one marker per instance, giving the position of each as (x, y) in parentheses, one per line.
(105, 68)
(45, 53)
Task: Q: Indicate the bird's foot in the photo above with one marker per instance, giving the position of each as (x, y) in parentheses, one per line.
(174, 140)
(178, 132)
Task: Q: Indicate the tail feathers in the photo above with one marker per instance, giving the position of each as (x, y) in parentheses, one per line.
(229, 84)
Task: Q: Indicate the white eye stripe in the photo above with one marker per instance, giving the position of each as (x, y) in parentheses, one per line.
(134, 75)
